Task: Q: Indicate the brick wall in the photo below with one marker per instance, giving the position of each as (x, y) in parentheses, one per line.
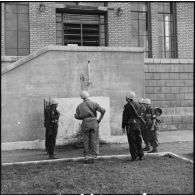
(154, 27)
(2, 29)
(42, 25)
(185, 29)
(169, 84)
(119, 27)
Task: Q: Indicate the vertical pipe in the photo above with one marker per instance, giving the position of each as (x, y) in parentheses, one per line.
(89, 75)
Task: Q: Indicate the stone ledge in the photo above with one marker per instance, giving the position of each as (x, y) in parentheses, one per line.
(10, 58)
(167, 61)
(124, 156)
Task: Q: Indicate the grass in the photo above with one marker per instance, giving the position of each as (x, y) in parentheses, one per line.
(152, 175)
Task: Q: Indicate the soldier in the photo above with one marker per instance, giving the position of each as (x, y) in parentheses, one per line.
(143, 129)
(52, 125)
(145, 132)
(153, 134)
(46, 127)
(87, 112)
(150, 122)
(131, 122)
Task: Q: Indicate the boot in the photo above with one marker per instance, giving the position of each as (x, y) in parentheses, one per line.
(154, 150)
(147, 148)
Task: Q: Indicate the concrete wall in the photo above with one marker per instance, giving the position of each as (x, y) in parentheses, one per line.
(169, 84)
(55, 71)
(68, 126)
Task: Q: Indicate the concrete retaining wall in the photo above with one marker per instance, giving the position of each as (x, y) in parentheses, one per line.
(54, 71)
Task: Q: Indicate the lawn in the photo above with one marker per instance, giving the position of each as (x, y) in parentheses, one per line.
(152, 175)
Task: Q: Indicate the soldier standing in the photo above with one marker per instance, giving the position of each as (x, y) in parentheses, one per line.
(87, 112)
(131, 122)
(143, 127)
(52, 127)
(153, 134)
(150, 123)
(46, 121)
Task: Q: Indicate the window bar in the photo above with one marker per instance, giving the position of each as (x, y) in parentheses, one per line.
(148, 18)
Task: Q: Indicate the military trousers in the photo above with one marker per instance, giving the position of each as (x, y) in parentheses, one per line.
(90, 133)
(145, 135)
(52, 134)
(134, 140)
(153, 138)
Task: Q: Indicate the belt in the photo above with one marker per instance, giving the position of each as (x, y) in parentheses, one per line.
(90, 118)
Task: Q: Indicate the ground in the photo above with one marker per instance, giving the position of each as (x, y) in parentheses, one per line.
(152, 175)
(180, 148)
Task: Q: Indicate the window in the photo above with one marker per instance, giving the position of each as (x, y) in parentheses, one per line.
(16, 29)
(141, 28)
(167, 31)
(80, 29)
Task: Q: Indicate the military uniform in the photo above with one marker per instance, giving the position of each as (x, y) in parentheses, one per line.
(133, 129)
(144, 132)
(52, 129)
(46, 122)
(150, 122)
(87, 112)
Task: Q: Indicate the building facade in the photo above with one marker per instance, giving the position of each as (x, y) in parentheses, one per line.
(164, 29)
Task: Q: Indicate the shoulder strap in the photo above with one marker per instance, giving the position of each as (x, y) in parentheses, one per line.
(90, 109)
(135, 112)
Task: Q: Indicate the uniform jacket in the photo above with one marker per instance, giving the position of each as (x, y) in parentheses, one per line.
(128, 113)
(87, 111)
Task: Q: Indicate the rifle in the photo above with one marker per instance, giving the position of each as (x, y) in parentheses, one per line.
(135, 112)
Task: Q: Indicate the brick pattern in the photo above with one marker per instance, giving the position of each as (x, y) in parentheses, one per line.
(119, 27)
(185, 29)
(2, 29)
(42, 25)
(154, 27)
(170, 86)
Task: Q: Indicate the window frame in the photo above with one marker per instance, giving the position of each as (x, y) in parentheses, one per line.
(173, 52)
(17, 4)
(148, 29)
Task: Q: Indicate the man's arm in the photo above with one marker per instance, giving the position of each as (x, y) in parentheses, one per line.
(76, 115)
(124, 120)
(102, 112)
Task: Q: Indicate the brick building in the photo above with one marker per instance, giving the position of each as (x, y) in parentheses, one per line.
(164, 29)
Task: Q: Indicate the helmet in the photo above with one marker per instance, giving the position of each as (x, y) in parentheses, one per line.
(157, 109)
(53, 101)
(147, 101)
(141, 100)
(130, 95)
(84, 94)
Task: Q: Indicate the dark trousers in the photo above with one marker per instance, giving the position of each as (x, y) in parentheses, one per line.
(135, 140)
(153, 139)
(46, 138)
(145, 135)
(52, 133)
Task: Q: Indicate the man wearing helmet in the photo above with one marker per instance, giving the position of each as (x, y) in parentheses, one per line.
(150, 118)
(87, 112)
(143, 127)
(52, 126)
(131, 122)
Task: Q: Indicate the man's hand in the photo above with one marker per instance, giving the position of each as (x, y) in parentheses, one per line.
(123, 130)
(152, 128)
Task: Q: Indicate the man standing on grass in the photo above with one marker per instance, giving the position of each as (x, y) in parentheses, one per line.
(52, 127)
(87, 112)
(131, 122)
